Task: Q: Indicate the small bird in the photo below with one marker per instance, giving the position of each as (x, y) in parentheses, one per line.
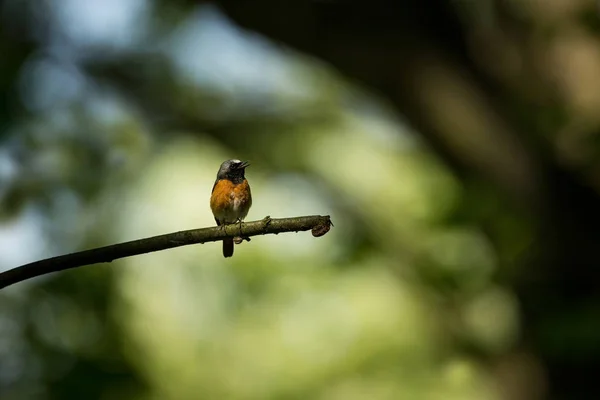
(230, 199)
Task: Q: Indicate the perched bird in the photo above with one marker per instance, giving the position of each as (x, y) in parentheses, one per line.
(230, 199)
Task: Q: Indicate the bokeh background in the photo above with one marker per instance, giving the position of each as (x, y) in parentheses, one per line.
(454, 143)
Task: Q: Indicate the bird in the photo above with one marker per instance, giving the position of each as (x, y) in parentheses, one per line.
(230, 198)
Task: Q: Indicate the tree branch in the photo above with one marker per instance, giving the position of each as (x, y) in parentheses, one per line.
(319, 225)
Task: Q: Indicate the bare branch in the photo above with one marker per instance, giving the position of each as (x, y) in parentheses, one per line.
(318, 224)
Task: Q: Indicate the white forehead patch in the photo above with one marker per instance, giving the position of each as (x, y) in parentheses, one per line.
(236, 161)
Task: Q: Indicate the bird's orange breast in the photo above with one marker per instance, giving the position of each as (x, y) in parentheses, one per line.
(229, 200)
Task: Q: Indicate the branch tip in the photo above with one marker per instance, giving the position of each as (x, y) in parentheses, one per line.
(321, 229)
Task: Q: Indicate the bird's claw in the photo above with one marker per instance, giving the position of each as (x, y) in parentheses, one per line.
(267, 220)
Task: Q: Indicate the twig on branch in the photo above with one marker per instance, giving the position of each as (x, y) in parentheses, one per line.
(318, 224)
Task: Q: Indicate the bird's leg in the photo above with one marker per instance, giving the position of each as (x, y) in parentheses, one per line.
(241, 238)
(220, 225)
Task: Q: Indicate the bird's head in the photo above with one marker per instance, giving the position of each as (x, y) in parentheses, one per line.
(232, 170)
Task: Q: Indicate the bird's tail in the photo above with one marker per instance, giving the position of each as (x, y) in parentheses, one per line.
(227, 247)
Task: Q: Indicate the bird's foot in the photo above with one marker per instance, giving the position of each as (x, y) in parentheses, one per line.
(240, 239)
(239, 221)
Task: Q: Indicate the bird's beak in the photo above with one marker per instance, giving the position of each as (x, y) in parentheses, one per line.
(243, 165)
